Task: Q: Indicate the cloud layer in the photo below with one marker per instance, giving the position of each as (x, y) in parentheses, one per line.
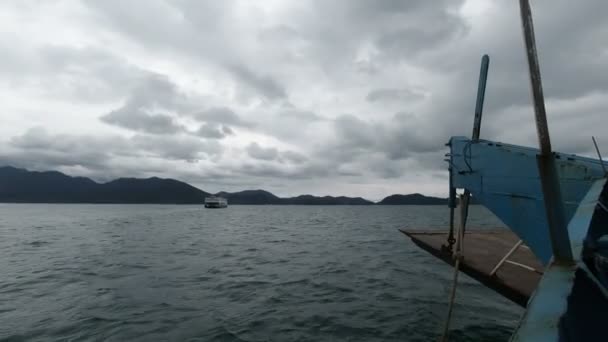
(325, 97)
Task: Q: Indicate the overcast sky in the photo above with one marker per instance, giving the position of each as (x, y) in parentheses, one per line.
(333, 97)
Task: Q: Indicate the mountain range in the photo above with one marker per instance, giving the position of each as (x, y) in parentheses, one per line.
(23, 186)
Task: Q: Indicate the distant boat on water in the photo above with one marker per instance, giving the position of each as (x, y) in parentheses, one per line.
(216, 202)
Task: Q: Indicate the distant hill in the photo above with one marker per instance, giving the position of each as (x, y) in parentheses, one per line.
(265, 197)
(250, 197)
(413, 199)
(22, 186)
(326, 200)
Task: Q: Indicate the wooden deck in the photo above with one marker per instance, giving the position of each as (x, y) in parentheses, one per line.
(483, 249)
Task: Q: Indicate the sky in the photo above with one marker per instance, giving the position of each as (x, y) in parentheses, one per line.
(341, 97)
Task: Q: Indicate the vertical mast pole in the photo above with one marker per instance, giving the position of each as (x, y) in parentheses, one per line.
(554, 206)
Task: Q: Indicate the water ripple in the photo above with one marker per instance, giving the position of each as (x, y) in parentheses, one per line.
(268, 273)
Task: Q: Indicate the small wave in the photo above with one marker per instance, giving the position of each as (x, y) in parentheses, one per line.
(295, 282)
(99, 318)
(37, 243)
(214, 270)
(189, 251)
(277, 241)
(5, 310)
(224, 334)
(482, 333)
(332, 287)
(345, 280)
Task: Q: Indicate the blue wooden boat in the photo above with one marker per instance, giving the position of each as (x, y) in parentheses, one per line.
(556, 203)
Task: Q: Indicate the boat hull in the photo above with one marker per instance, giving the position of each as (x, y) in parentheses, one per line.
(216, 205)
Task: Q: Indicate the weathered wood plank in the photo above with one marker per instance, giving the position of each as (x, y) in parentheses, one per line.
(483, 249)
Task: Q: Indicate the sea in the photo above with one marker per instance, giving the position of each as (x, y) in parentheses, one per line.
(80, 272)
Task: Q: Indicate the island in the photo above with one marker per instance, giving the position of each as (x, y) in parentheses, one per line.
(23, 186)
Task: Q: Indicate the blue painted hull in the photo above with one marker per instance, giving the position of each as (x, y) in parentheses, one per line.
(571, 301)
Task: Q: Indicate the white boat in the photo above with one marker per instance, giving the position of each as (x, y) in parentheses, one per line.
(216, 202)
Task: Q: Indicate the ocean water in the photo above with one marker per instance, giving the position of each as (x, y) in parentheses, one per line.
(245, 273)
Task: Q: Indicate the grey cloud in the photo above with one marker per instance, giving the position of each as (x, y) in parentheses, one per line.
(276, 171)
(39, 149)
(140, 111)
(53, 160)
(569, 63)
(38, 138)
(391, 94)
(160, 24)
(83, 74)
(263, 171)
(349, 173)
(255, 151)
(176, 147)
(357, 133)
(298, 72)
(291, 124)
(261, 83)
(280, 33)
(367, 67)
(200, 29)
(388, 170)
(221, 115)
(303, 115)
(139, 120)
(227, 130)
(293, 157)
(258, 152)
(570, 43)
(158, 91)
(214, 131)
(417, 39)
(396, 140)
(345, 26)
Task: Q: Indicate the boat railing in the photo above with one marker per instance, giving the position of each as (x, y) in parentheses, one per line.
(505, 259)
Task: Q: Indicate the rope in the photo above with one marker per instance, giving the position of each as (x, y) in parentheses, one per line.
(458, 256)
(446, 328)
